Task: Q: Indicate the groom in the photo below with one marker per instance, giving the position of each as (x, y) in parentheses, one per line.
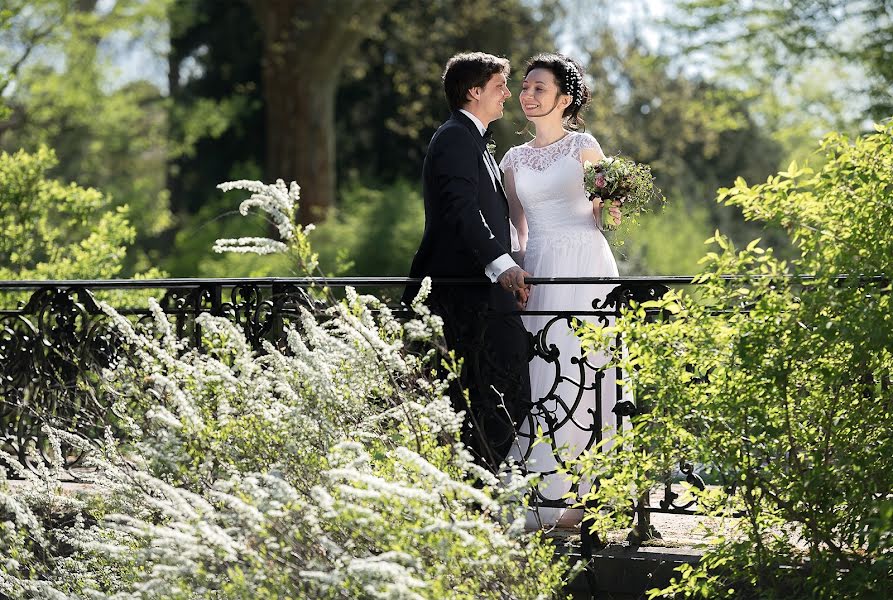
(468, 234)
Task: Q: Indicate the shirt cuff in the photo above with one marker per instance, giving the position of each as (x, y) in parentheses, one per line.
(516, 241)
(498, 267)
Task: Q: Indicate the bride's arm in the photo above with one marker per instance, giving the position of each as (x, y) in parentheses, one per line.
(592, 155)
(516, 214)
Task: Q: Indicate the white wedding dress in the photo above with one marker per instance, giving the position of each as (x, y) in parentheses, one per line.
(563, 241)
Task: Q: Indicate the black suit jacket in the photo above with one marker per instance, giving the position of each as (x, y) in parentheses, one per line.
(466, 217)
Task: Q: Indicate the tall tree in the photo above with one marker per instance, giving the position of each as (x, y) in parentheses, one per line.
(306, 45)
(65, 90)
(391, 99)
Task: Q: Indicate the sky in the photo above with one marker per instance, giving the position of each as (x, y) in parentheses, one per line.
(625, 15)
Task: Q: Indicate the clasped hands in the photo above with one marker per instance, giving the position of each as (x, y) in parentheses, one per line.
(513, 280)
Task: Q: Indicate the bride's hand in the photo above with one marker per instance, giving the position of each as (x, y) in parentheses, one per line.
(614, 211)
(521, 297)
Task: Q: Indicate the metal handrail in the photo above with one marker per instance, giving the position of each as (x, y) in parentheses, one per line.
(180, 282)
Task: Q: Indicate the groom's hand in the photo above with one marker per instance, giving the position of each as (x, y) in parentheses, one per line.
(512, 280)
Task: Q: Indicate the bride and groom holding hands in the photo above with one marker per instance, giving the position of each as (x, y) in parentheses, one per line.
(537, 221)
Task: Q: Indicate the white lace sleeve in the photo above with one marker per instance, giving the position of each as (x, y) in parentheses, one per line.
(585, 140)
(507, 161)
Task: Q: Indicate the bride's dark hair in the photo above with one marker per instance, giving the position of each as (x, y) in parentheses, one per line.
(569, 75)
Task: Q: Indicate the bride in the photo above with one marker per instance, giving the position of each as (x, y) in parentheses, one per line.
(559, 237)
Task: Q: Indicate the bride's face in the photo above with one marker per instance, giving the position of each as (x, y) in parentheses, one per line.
(541, 96)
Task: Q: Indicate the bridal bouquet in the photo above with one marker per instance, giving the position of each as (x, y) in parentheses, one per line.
(619, 179)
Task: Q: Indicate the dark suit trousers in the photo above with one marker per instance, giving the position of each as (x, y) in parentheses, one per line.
(494, 346)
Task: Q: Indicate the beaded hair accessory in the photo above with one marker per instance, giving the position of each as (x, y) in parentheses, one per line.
(574, 82)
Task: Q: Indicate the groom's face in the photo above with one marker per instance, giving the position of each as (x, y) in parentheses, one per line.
(492, 97)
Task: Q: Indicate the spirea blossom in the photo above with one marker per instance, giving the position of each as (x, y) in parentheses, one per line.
(256, 245)
(329, 463)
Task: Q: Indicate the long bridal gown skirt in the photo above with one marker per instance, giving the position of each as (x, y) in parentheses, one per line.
(573, 395)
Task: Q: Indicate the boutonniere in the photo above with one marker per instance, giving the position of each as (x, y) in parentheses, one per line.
(491, 148)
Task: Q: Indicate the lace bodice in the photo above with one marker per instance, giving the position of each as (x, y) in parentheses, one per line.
(549, 184)
(540, 159)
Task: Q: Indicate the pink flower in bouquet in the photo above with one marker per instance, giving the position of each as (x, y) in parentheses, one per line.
(600, 181)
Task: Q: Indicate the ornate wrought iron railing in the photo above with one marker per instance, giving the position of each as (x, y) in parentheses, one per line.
(55, 341)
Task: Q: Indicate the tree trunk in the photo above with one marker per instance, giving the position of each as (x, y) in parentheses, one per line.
(306, 44)
(300, 119)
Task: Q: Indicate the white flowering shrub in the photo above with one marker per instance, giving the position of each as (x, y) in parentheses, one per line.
(328, 468)
(278, 203)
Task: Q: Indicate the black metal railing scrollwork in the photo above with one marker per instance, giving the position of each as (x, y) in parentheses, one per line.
(55, 341)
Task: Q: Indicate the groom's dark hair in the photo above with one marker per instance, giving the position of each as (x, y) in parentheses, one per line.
(469, 70)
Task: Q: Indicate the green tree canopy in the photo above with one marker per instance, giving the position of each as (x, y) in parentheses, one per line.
(65, 91)
(776, 37)
(49, 230)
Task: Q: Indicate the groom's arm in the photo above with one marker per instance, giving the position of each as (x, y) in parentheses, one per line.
(455, 171)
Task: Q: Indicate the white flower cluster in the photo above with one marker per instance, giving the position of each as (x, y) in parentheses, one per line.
(253, 245)
(425, 321)
(280, 204)
(328, 467)
(277, 200)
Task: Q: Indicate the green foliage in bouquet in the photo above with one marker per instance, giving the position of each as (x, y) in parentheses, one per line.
(621, 180)
(777, 378)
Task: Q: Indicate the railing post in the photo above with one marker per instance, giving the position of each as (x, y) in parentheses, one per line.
(642, 529)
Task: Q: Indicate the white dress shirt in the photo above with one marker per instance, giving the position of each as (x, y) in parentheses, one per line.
(504, 262)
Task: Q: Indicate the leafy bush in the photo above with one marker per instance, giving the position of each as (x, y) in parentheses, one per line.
(373, 232)
(55, 231)
(780, 378)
